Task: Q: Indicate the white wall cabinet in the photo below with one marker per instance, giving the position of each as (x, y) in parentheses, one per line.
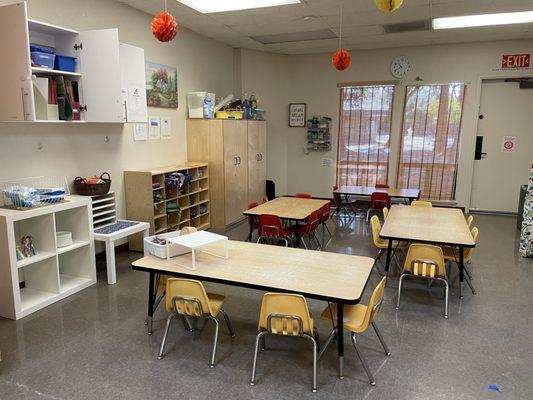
(53, 273)
(99, 73)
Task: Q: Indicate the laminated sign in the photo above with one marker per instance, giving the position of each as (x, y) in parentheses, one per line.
(508, 144)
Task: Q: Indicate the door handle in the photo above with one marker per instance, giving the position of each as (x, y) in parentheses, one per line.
(235, 160)
(238, 160)
(258, 157)
(261, 154)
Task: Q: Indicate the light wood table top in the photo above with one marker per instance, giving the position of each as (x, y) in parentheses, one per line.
(314, 274)
(446, 226)
(288, 208)
(368, 190)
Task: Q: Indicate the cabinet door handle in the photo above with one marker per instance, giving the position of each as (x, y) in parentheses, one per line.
(235, 161)
(261, 157)
(239, 159)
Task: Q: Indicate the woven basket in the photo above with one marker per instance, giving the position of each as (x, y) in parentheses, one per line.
(94, 189)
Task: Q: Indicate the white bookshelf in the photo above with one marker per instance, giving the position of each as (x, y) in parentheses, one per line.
(35, 282)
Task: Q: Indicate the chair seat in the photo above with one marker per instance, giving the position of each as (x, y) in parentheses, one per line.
(354, 316)
(450, 253)
(216, 301)
(395, 245)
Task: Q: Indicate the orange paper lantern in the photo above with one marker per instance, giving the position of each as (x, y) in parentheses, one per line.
(341, 60)
(164, 27)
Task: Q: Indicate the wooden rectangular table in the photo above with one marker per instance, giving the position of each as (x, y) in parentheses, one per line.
(433, 225)
(366, 191)
(287, 208)
(332, 277)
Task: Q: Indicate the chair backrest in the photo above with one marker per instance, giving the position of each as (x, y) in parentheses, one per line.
(336, 196)
(188, 296)
(385, 212)
(375, 303)
(379, 200)
(264, 200)
(421, 203)
(376, 229)
(285, 314)
(270, 226)
(467, 255)
(469, 220)
(251, 220)
(303, 196)
(425, 260)
(382, 186)
(313, 221)
(324, 212)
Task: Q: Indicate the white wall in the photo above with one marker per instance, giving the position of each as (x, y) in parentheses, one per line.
(81, 150)
(314, 81)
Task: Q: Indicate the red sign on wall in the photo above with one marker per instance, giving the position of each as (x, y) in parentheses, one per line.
(516, 60)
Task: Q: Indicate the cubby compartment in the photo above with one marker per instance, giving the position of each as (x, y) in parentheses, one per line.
(160, 210)
(39, 284)
(174, 219)
(203, 183)
(160, 225)
(193, 187)
(74, 269)
(76, 221)
(41, 231)
(193, 172)
(202, 173)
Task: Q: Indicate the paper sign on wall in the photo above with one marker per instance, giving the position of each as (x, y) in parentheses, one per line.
(508, 144)
(154, 128)
(140, 132)
(165, 128)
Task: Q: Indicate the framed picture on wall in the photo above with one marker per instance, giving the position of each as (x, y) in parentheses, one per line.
(297, 114)
(161, 85)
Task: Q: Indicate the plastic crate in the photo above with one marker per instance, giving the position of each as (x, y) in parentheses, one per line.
(42, 60)
(65, 63)
(160, 250)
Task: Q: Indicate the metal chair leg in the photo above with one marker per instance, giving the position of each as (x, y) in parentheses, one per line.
(365, 366)
(187, 324)
(328, 342)
(303, 241)
(213, 355)
(469, 283)
(254, 365)
(228, 323)
(446, 293)
(164, 341)
(314, 361)
(402, 276)
(378, 333)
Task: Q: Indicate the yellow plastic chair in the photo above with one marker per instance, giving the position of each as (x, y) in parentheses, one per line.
(188, 298)
(427, 262)
(421, 203)
(357, 318)
(285, 315)
(162, 282)
(385, 213)
(383, 244)
(451, 254)
(469, 221)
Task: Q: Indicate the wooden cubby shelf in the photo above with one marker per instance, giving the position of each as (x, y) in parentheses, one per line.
(143, 205)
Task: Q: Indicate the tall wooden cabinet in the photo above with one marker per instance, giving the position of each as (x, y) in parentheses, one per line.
(236, 152)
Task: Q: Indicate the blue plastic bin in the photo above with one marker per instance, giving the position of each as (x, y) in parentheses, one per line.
(43, 60)
(40, 49)
(65, 63)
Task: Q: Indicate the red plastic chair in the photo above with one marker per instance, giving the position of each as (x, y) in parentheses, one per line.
(323, 216)
(271, 227)
(252, 221)
(303, 196)
(378, 200)
(382, 186)
(313, 222)
(342, 204)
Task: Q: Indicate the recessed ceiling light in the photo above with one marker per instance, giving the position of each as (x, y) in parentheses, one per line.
(213, 6)
(467, 21)
(309, 17)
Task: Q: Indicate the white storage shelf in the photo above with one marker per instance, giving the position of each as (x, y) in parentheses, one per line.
(100, 84)
(53, 273)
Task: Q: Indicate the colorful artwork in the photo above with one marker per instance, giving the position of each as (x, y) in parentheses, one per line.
(526, 243)
(161, 85)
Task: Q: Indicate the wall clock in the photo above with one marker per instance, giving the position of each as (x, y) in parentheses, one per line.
(400, 66)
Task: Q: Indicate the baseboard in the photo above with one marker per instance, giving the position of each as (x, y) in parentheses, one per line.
(493, 212)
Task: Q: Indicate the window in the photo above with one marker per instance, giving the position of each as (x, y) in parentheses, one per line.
(364, 135)
(430, 139)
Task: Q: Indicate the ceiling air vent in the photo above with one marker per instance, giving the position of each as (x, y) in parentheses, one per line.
(295, 37)
(413, 26)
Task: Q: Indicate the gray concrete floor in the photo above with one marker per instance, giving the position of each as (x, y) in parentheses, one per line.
(94, 345)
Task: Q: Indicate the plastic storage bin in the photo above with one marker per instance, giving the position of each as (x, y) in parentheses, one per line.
(201, 104)
(65, 63)
(160, 250)
(42, 59)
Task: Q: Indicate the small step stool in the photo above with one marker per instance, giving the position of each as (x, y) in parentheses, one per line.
(108, 229)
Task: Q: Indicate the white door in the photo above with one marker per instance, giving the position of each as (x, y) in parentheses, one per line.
(507, 110)
(133, 83)
(101, 81)
(16, 92)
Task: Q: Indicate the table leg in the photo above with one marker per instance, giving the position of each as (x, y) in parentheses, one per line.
(146, 233)
(151, 301)
(110, 262)
(340, 338)
(389, 253)
(461, 271)
(251, 230)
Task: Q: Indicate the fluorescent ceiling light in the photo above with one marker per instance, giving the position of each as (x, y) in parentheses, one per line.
(467, 21)
(213, 6)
